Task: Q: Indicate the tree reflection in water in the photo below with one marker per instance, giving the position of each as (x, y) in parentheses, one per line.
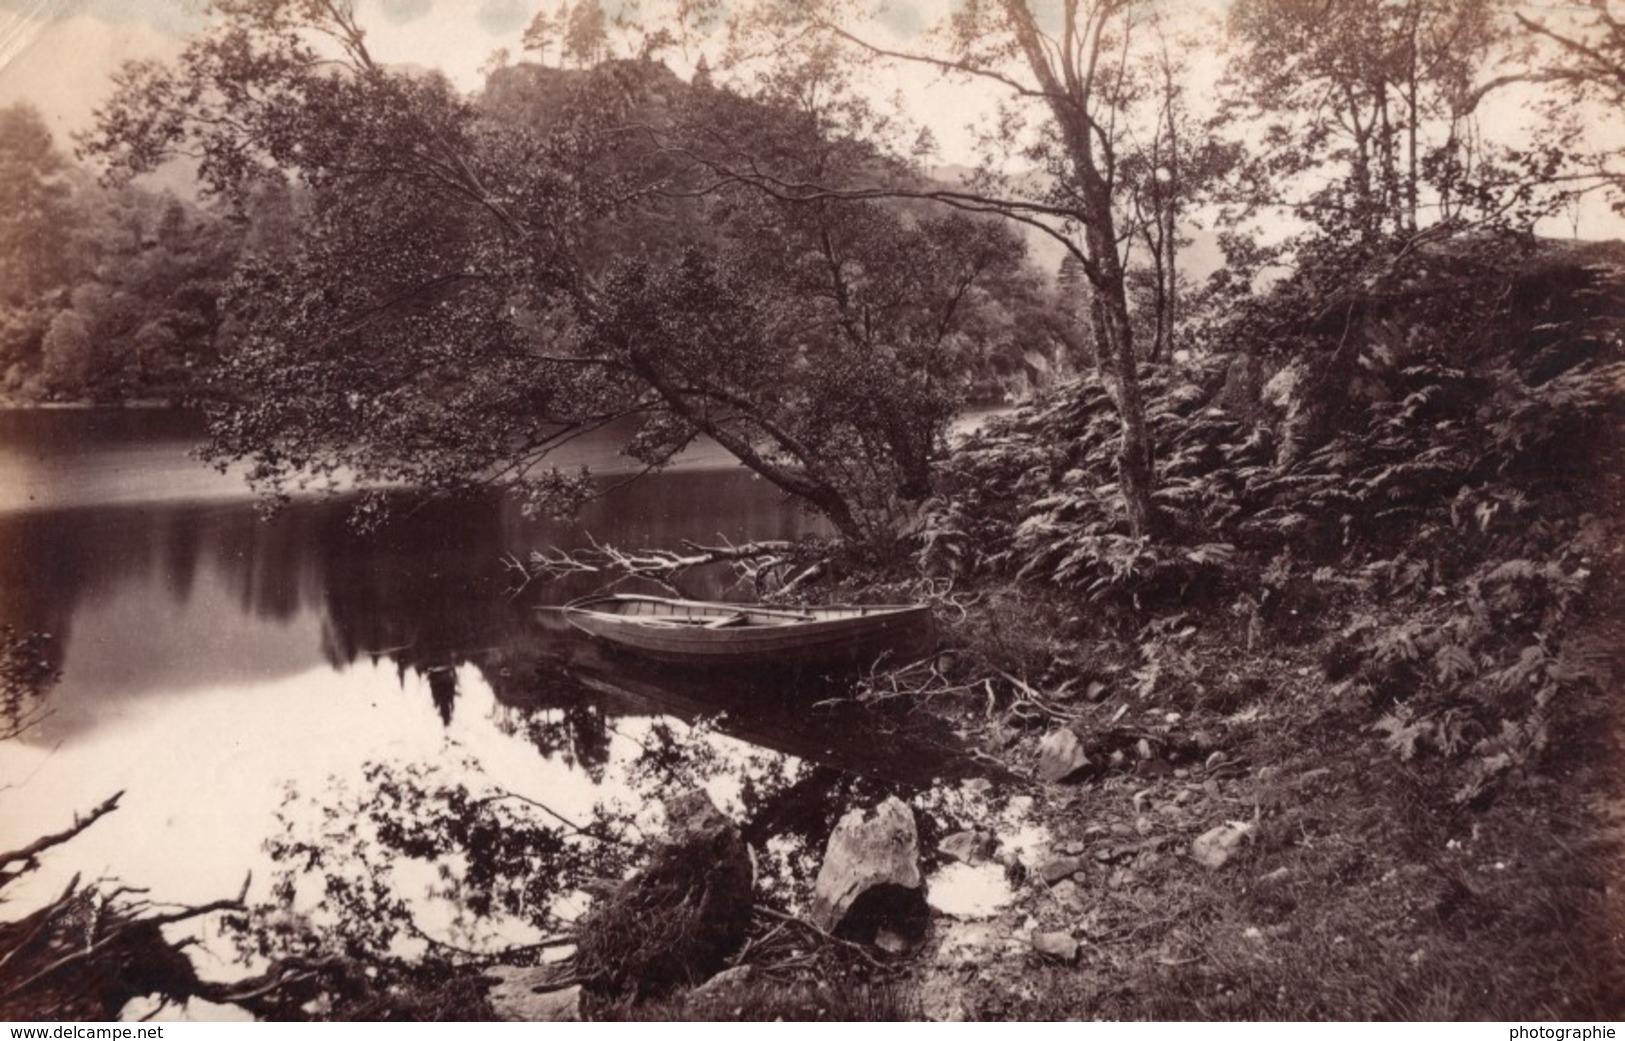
(438, 858)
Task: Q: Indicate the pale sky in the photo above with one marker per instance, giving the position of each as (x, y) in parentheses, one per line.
(60, 53)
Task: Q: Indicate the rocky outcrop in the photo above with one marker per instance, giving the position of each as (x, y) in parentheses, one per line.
(870, 879)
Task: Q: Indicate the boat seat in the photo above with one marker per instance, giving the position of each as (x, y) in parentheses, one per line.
(725, 621)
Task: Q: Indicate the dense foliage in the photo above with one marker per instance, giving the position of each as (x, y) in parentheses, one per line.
(476, 284)
(1444, 524)
(110, 293)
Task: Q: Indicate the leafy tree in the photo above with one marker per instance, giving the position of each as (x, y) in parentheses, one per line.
(1168, 171)
(471, 289)
(35, 228)
(1068, 64)
(69, 350)
(1590, 48)
(1379, 99)
(1585, 62)
(34, 192)
(586, 34)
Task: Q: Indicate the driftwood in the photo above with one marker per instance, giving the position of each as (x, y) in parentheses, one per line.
(771, 567)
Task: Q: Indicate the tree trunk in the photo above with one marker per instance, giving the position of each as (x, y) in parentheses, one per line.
(1119, 370)
(1068, 91)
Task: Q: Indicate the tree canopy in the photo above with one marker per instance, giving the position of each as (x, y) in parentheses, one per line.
(440, 290)
(471, 290)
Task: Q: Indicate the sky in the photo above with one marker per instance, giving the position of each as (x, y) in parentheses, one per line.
(60, 55)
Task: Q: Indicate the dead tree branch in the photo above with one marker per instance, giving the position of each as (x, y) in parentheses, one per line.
(27, 856)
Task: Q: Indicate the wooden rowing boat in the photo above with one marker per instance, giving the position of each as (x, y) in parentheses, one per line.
(697, 632)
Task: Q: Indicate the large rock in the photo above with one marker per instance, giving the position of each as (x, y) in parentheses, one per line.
(678, 919)
(1060, 756)
(870, 877)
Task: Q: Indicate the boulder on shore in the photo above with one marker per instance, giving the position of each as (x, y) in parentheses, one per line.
(870, 877)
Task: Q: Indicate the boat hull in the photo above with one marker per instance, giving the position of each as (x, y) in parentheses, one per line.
(707, 634)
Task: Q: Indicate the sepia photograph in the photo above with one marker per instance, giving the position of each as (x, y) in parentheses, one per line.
(812, 510)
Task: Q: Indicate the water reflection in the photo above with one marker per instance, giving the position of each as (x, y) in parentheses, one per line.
(175, 597)
(213, 664)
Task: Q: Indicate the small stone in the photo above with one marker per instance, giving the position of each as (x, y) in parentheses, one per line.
(1143, 825)
(1096, 691)
(1122, 829)
(1215, 847)
(1065, 892)
(1058, 945)
(892, 942)
(1057, 868)
(968, 847)
(1060, 756)
(739, 974)
(1072, 848)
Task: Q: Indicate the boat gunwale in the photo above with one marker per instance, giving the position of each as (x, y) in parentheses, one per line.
(806, 616)
(796, 639)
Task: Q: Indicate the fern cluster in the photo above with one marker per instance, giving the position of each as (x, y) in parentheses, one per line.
(1442, 535)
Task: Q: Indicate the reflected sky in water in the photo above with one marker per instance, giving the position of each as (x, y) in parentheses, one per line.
(212, 662)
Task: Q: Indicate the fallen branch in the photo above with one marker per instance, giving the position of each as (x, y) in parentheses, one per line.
(919, 680)
(761, 563)
(1027, 693)
(130, 919)
(28, 854)
(830, 938)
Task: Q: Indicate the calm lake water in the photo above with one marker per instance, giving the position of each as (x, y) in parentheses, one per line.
(222, 669)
